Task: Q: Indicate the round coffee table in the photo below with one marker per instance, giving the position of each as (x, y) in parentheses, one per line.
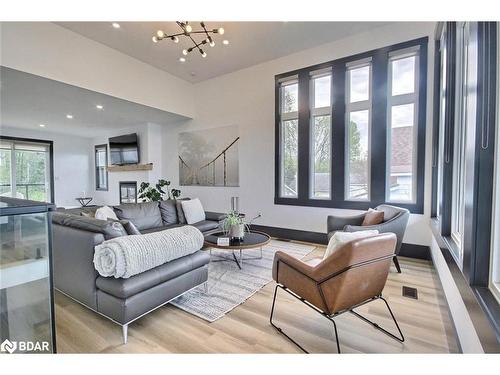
(252, 240)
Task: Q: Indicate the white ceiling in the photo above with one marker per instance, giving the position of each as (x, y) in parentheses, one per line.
(250, 43)
(27, 100)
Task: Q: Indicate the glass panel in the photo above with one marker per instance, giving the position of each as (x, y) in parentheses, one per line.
(322, 88)
(5, 172)
(358, 165)
(289, 158)
(401, 156)
(31, 174)
(290, 98)
(321, 149)
(25, 314)
(403, 76)
(359, 79)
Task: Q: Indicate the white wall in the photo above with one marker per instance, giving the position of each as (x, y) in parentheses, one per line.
(246, 98)
(150, 147)
(73, 166)
(51, 51)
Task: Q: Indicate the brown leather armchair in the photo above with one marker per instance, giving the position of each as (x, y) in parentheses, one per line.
(352, 276)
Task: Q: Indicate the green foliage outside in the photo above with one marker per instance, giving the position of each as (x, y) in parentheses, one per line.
(30, 173)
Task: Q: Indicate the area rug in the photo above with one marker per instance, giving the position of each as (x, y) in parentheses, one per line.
(228, 286)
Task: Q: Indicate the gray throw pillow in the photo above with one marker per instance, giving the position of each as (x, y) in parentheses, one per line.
(168, 212)
(129, 227)
(180, 211)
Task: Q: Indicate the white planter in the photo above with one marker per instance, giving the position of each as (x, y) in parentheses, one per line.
(237, 231)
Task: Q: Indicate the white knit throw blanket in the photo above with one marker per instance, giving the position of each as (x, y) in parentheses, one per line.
(130, 255)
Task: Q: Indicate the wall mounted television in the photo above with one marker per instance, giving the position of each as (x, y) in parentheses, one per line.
(124, 149)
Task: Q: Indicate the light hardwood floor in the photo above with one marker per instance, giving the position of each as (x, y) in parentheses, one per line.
(425, 323)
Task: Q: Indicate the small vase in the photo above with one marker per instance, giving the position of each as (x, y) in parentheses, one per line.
(237, 231)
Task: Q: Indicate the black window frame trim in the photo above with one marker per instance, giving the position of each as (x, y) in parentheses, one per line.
(380, 58)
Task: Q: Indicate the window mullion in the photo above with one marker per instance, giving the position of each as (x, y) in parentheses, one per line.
(303, 137)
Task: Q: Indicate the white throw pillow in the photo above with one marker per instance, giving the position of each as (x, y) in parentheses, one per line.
(193, 210)
(339, 239)
(105, 213)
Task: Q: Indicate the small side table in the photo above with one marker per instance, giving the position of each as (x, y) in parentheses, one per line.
(84, 201)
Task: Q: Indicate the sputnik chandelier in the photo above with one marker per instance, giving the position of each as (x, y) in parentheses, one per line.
(188, 32)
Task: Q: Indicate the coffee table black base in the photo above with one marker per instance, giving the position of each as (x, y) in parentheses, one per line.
(239, 263)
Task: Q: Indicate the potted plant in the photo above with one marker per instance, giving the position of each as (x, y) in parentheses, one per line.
(156, 193)
(234, 225)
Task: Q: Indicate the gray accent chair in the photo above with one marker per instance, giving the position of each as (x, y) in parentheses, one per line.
(123, 300)
(395, 221)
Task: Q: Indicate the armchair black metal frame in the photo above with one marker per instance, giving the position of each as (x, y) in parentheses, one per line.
(331, 317)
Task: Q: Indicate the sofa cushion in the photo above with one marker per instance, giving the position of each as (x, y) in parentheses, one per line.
(110, 229)
(168, 211)
(180, 213)
(124, 288)
(193, 211)
(144, 215)
(206, 225)
(129, 227)
(163, 227)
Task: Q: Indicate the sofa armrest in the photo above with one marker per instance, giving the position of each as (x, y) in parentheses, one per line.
(214, 216)
(335, 223)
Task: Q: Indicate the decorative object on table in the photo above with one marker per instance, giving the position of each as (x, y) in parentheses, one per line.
(84, 201)
(128, 192)
(157, 193)
(234, 226)
(229, 286)
(223, 241)
(235, 204)
(253, 240)
(209, 157)
(187, 31)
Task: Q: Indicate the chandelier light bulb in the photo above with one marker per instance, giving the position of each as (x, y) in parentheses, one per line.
(160, 34)
(225, 42)
(220, 30)
(184, 52)
(203, 53)
(212, 44)
(189, 28)
(175, 39)
(155, 39)
(182, 59)
(116, 25)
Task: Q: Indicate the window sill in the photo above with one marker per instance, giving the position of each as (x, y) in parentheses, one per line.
(480, 303)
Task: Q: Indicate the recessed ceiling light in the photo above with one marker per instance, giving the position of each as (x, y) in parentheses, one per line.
(116, 25)
(42, 125)
(225, 41)
(69, 116)
(98, 106)
(182, 59)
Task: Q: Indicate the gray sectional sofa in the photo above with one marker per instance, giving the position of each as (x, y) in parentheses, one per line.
(76, 233)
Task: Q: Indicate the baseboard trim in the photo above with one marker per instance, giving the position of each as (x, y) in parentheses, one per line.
(407, 249)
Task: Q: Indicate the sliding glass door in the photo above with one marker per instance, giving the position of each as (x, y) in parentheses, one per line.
(25, 169)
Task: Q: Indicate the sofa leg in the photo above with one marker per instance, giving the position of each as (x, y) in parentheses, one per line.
(125, 333)
(205, 287)
(396, 263)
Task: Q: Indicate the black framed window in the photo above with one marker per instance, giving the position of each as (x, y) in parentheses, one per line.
(350, 133)
(101, 167)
